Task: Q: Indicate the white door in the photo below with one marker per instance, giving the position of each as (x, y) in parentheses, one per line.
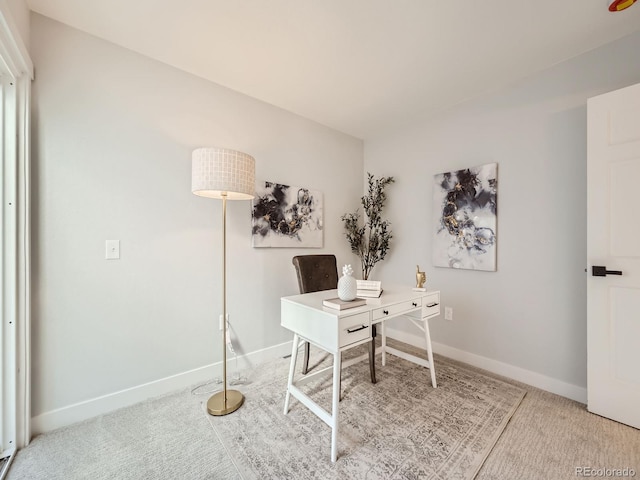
(613, 241)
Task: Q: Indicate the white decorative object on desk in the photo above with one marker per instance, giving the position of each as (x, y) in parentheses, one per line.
(369, 288)
(347, 285)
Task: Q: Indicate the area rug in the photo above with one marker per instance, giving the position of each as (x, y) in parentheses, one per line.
(398, 428)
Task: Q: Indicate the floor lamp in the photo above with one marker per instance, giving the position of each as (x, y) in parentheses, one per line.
(227, 175)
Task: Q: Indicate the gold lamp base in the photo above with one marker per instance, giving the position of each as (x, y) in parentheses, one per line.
(217, 405)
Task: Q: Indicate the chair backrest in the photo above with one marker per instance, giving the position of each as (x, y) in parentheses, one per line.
(316, 272)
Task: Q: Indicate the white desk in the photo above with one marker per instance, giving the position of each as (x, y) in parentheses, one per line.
(338, 330)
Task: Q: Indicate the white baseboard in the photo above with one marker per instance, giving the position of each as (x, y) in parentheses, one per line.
(553, 385)
(77, 412)
(107, 403)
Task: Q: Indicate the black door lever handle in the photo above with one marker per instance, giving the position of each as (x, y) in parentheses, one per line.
(603, 272)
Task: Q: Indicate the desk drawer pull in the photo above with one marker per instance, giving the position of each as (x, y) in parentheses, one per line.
(414, 304)
(386, 312)
(356, 329)
(432, 305)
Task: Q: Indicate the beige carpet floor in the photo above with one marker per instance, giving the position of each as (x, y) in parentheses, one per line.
(399, 428)
(548, 437)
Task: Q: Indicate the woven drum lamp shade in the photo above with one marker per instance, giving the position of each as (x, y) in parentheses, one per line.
(216, 172)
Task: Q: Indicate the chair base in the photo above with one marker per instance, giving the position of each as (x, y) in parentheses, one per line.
(372, 355)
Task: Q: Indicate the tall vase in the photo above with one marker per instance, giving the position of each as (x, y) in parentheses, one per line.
(347, 285)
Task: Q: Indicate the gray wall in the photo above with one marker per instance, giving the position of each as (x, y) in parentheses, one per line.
(113, 133)
(112, 142)
(20, 15)
(531, 313)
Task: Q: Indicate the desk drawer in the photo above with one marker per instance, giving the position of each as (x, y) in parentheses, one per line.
(389, 311)
(354, 328)
(431, 305)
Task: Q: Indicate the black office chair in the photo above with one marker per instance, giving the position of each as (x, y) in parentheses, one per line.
(320, 272)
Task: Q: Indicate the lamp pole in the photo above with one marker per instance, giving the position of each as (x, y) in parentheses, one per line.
(227, 401)
(224, 296)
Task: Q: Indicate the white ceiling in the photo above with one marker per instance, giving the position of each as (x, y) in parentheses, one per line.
(359, 66)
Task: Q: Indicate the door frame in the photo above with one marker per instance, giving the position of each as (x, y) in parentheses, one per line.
(16, 70)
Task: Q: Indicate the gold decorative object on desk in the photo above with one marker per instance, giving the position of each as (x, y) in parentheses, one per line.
(421, 278)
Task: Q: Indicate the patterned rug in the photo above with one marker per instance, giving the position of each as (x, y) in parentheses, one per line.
(399, 428)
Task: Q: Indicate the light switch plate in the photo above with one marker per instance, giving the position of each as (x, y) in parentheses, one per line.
(448, 313)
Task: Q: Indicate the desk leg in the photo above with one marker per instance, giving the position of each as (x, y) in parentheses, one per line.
(384, 344)
(337, 361)
(292, 369)
(432, 367)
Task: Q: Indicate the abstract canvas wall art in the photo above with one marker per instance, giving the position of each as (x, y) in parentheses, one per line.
(465, 212)
(286, 216)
